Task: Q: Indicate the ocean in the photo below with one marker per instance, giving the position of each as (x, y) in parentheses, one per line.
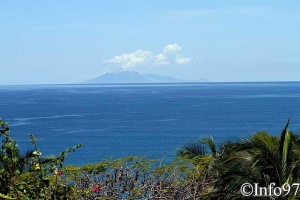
(151, 120)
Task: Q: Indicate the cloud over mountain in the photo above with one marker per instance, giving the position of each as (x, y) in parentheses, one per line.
(172, 48)
(140, 57)
(183, 60)
(132, 59)
(161, 59)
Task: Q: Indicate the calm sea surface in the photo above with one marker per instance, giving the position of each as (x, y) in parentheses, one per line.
(148, 120)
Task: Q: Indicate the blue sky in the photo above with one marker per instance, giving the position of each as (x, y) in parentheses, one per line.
(70, 41)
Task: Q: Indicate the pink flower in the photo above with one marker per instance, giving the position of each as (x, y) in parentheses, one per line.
(58, 172)
(97, 188)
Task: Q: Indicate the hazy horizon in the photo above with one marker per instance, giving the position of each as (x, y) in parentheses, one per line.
(64, 42)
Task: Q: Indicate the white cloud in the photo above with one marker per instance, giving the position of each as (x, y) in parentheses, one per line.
(183, 60)
(172, 48)
(169, 55)
(130, 60)
(161, 59)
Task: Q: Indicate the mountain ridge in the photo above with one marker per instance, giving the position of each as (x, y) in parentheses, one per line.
(123, 76)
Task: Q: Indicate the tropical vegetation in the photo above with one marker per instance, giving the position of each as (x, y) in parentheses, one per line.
(202, 170)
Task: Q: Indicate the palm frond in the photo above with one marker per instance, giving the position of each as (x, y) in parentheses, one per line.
(191, 150)
(209, 141)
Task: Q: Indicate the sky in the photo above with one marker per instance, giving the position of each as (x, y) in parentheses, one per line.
(70, 41)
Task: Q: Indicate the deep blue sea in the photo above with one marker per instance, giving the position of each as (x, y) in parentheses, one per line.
(151, 120)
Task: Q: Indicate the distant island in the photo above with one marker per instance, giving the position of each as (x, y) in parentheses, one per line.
(124, 76)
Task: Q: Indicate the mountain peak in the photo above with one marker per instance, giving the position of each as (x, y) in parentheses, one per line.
(119, 76)
(119, 70)
(124, 76)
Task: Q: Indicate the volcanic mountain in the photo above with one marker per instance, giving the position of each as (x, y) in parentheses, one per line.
(122, 76)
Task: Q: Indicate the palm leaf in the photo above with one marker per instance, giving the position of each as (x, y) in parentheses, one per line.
(191, 150)
(209, 141)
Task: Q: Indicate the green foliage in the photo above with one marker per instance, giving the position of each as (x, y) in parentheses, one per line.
(9, 155)
(29, 176)
(202, 170)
